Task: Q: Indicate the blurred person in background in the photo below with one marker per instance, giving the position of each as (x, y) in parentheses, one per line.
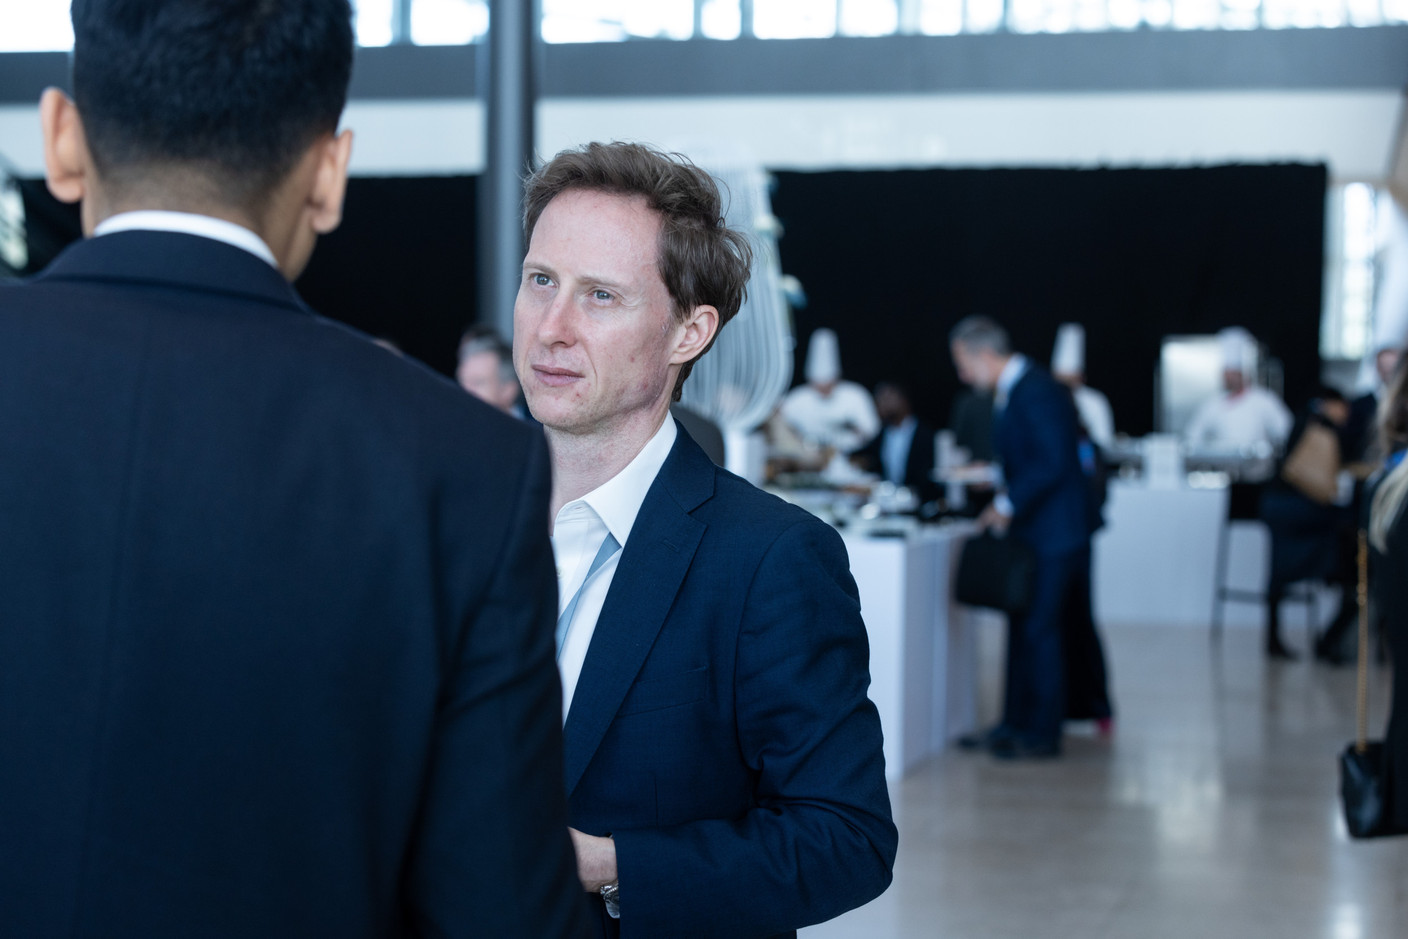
(1311, 523)
(1045, 503)
(827, 412)
(1068, 367)
(1361, 437)
(485, 370)
(1244, 415)
(903, 452)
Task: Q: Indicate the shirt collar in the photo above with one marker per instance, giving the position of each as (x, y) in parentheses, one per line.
(191, 224)
(617, 501)
(1012, 373)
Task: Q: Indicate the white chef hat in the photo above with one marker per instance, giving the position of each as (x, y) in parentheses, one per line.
(1068, 357)
(1239, 352)
(823, 358)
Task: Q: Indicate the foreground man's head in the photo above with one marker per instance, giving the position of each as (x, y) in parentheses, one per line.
(226, 108)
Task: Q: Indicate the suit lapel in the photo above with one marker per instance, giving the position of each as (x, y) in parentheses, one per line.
(652, 569)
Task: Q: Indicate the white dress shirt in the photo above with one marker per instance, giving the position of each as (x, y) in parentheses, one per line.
(188, 223)
(1011, 373)
(894, 450)
(577, 534)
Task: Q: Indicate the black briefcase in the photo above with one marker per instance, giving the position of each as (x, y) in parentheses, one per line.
(997, 573)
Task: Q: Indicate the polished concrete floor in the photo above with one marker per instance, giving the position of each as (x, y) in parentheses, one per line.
(1210, 812)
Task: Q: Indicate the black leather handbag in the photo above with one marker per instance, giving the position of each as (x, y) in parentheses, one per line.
(1363, 784)
(995, 572)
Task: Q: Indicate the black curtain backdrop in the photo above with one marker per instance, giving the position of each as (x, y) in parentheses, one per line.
(401, 266)
(892, 260)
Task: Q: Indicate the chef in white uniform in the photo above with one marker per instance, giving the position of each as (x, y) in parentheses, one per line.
(1068, 367)
(826, 411)
(1244, 414)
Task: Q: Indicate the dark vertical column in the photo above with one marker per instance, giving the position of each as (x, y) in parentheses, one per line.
(507, 77)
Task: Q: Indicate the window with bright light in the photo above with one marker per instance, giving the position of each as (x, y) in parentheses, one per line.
(43, 25)
(1358, 214)
(615, 20)
(794, 19)
(869, 18)
(35, 26)
(448, 22)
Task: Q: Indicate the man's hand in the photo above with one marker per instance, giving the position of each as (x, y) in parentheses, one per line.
(596, 860)
(993, 519)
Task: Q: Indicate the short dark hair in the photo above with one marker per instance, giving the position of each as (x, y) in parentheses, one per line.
(235, 90)
(981, 332)
(702, 260)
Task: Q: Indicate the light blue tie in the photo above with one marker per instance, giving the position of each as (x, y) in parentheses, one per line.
(609, 547)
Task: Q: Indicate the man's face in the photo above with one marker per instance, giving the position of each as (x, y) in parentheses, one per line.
(595, 341)
(976, 368)
(479, 375)
(1385, 362)
(891, 405)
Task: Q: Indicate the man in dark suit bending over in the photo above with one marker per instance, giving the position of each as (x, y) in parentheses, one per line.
(275, 604)
(1043, 503)
(724, 767)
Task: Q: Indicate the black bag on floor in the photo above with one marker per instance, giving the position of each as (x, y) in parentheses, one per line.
(996, 573)
(1364, 792)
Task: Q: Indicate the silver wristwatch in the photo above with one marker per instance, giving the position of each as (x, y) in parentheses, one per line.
(611, 896)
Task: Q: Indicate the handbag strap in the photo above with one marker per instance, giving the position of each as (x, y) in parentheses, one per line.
(1362, 706)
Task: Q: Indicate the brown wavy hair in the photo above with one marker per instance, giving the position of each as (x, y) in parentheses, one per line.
(701, 260)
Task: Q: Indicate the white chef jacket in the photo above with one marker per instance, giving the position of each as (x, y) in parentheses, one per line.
(1228, 421)
(845, 419)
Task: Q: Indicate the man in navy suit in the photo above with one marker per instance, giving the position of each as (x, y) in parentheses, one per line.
(1044, 503)
(724, 767)
(275, 604)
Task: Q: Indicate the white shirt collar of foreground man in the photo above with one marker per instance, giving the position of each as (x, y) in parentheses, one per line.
(188, 223)
(578, 531)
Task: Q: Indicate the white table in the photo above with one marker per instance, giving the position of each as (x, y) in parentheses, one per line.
(1156, 560)
(923, 646)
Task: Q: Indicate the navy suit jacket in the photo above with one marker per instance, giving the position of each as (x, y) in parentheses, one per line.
(1035, 437)
(720, 730)
(276, 614)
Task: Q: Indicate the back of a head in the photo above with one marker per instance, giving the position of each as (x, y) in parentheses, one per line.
(232, 91)
(702, 261)
(981, 334)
